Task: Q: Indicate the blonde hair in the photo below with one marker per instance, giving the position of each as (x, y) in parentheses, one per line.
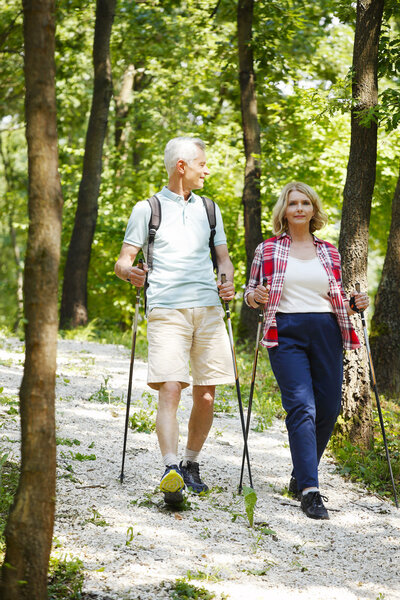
(279, 221)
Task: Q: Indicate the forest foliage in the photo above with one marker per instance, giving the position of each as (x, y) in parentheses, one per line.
(175, 71)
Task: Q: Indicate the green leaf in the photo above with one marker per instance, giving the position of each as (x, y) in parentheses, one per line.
(250, 500)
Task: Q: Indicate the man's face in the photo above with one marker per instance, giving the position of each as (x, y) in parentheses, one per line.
(196, 172)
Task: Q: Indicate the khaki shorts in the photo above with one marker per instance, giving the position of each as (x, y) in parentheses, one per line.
(176, 336)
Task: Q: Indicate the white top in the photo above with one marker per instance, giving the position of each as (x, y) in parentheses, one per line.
(305, 288)
(182, 275)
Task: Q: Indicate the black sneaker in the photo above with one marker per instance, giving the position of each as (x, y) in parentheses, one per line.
(313, 507)
(293, 489)
(191, 476)
(172, 485)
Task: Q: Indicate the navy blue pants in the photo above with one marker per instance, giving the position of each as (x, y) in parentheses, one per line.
(308, 366)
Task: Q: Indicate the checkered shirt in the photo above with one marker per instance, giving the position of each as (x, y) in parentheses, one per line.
(270, 261)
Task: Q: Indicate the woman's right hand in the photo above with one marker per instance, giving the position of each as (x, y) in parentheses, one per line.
(261, 294)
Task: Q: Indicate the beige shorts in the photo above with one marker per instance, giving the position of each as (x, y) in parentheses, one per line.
(198, 335)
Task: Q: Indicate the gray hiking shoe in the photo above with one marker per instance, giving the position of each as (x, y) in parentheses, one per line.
(191, 476)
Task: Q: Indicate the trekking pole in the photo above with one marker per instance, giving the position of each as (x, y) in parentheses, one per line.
(239, 396)
(128, 399)
(253, 377)
(378, 404)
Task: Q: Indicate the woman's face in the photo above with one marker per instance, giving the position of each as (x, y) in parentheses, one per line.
(299, 210)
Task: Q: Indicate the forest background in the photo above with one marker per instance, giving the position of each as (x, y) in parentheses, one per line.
(175, 71)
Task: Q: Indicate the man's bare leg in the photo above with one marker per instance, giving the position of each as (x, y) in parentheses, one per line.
(167, 427)
(200, 422)
(201, 417)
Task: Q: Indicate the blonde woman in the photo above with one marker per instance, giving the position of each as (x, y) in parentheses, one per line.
(305, 329)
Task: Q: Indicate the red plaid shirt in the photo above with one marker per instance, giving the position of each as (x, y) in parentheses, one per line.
(270, 260)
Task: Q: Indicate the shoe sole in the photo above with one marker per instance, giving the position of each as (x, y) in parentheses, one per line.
(317, 517)
(172, 483)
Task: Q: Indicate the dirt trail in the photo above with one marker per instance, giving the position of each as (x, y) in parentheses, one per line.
(134, 548)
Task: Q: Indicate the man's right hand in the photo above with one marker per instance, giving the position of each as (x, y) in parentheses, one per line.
(137, 276)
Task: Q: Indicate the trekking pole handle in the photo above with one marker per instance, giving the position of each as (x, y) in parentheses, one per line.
(358, 290)
(228, 312)
(140, 266)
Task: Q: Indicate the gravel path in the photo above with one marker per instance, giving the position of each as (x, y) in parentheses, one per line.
(133, 548)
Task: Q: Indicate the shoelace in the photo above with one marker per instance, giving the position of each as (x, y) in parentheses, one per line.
(319, 498)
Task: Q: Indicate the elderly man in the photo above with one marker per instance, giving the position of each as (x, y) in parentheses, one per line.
(185, 317)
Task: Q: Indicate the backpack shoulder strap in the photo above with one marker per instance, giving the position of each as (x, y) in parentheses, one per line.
(209, 206)
(154, 224)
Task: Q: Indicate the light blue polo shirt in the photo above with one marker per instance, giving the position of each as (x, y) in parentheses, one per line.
(182, 274)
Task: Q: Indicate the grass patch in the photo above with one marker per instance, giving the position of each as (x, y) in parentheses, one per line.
(181, 590)
(10, 401)
(96, 519)
(67, 442)
(65, 579)
(104, 395)
(213, 575)
(143, 418)
(266, 394)
(370, 466)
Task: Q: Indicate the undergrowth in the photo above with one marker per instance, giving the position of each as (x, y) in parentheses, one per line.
(95, 331)
(182, 590)
(65, 578)
(370, 467)
(9, 477)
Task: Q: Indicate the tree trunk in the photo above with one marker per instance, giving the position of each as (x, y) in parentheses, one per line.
(123, 102)
(385, 336)
(74, 296)
(252, 146)
(356, 422)
(30, 525)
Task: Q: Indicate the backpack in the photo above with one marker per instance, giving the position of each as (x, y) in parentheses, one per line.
(155, 221)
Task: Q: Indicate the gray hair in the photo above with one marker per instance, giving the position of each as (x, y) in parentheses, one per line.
(185, 148)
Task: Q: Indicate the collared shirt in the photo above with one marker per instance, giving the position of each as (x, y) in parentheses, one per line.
(182, 274)
(270, 261)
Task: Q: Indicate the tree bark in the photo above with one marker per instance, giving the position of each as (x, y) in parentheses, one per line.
(356, 422)
(30, 525)
(385, 336)
(123, 102)
(74, 295)
(252, 147)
